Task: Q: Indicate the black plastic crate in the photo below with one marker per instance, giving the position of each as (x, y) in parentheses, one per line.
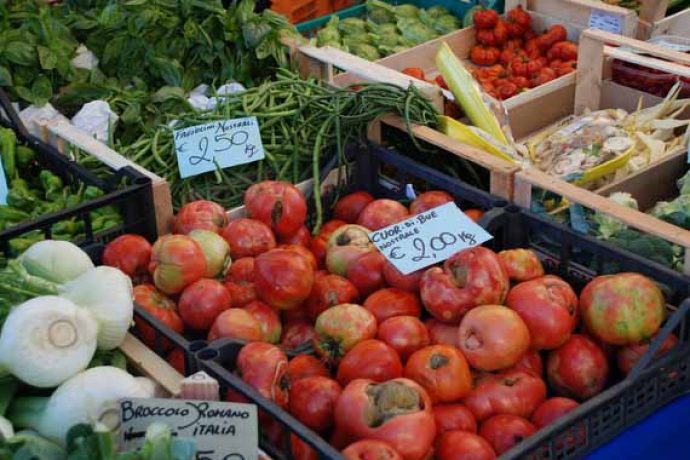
(577, 259)
(127, 190)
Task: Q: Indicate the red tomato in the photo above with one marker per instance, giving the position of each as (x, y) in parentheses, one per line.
(578, 369)
(366, 272)
(340, 328)
(463, 445)
(405, 334)
(283, 278)
(485, 19)
(301, 238)
(200, 215)
(372, 360)
(521, 264)
(442, 371)
(239, 280)
(300, 449)
(548, 306)
(304, 252)
(493, 337)
(345, 245)
(263, 366)
(349, 207)
(622, 309)
(296, 333)
(396, 279)
(382, 213)
(514, 392)
(469, 278)
(400, 415)
(451, 417)
(202, 302)
(162, 308)
(302, 366)
(414, 72)
(129, 253)
(320, 242)
(312, 401)
(248, 238)
(268, 320)
(176, 359)
(389, 302)
(530, 362)
(551, 410)
(442, 333)
(236, 324)
(504, 431)
(370, 449)
(280, 205)
(628, 356)
(176, 262)
(329, 291)
(216, 252)
(429, 200)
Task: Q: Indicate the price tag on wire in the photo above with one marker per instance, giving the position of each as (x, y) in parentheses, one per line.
(606, 21)
(219, 144)
(428, 238)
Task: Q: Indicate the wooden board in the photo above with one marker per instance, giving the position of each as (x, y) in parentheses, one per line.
(147, 363)
(61, 133)
(653, 21)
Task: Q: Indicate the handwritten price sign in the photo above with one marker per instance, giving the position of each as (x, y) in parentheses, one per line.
(608, 22)
(223, 431)
(428, 238)
(219, 144)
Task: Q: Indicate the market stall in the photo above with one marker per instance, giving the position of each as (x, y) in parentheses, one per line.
(342, 230)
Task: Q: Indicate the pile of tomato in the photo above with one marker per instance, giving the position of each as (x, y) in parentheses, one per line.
(511, 57)
(461, 360)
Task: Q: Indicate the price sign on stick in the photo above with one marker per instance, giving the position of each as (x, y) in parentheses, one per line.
(4, 191)
(222, 431)
(606, 21)
(428, 238)
(219, 144)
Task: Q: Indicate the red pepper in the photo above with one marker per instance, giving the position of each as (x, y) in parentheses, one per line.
(414, 72)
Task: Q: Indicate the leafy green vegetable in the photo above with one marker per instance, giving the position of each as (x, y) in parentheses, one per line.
(352, 26)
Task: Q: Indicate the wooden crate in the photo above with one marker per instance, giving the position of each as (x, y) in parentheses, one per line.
(148, 364)
(653, 20)
(594, 91)
(549, 102)
(63, 134)
(323, 62)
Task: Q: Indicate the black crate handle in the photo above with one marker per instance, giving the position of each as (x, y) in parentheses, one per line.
(15, 123)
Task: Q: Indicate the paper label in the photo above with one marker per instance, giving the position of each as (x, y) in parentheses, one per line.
(3, 185)
(428, 238)
(221, 430)
(219, 144)
(608, 22)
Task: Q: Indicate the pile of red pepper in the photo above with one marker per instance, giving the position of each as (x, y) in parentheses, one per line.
(512, 57)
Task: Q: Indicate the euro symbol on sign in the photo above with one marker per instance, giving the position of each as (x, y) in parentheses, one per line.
(394, 254)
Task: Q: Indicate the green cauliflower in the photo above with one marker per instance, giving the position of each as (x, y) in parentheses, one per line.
(437, 11)
(446, 24)
(329, 34)
(676, 212)
(365, 51)
(379, 14)
(415, 31)
(352, 26)
(609, 226)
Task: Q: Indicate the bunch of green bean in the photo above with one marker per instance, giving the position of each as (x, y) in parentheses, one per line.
(300, 122)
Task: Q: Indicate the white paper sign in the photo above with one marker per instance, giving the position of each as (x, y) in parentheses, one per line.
(221, 430)
(221, 144)
(428, 238)
(608, 22)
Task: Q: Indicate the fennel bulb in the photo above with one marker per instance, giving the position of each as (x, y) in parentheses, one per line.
(55, 260)
(46, 340)
(107, 293)
(6, 429)
(89, 397)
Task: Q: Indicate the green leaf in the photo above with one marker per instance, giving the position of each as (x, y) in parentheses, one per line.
(131, 114)
(169, 70)
(5, 77)
(47, 58)
(24, 93)
(41, 91)
(20, 53)
(168, 93)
